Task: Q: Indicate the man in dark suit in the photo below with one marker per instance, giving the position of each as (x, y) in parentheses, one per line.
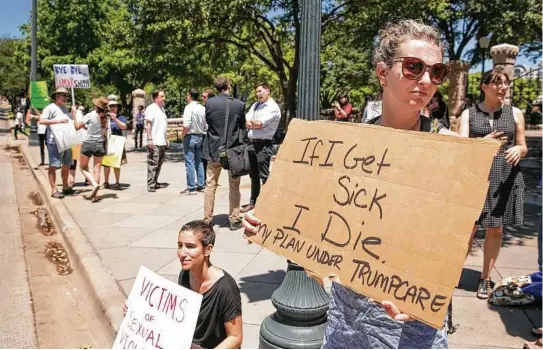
(216, 119)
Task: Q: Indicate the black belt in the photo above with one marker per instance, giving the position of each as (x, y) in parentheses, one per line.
(261, 141)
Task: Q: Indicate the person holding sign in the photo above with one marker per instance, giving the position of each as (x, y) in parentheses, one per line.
(56, 113)
(219, 321)
(117, 124)
(504, 203)
(94, 144)
(408, 59)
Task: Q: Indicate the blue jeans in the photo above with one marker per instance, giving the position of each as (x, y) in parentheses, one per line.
(192, 146)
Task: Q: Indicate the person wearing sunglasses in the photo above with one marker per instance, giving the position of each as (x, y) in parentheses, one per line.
(408, 60)
(504, 204)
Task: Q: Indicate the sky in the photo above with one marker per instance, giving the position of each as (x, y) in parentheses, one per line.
(17, 12)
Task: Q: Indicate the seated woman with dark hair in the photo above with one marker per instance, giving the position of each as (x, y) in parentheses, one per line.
(219, 322)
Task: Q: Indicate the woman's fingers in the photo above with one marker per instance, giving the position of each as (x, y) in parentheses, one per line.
(392, 310)
(250, 224)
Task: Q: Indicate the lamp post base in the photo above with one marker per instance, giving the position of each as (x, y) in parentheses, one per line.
(300, 320)
(33, 139)
(278, 333)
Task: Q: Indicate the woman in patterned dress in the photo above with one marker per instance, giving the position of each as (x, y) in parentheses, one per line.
(505, 199)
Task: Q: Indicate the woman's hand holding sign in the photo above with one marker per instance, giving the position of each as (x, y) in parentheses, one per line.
(251, 225)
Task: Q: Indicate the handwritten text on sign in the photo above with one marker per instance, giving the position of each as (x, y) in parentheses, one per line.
(161, 314)
(389, 212)
(72, 76)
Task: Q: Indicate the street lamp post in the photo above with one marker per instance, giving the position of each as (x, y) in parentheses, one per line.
(33, 139)
(301, 302)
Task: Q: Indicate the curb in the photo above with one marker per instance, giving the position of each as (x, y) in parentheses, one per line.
(104, 287)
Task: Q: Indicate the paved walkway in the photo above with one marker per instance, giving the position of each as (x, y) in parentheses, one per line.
(130, 227)
(17, 323)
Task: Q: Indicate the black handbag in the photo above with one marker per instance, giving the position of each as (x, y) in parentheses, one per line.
(235, 159)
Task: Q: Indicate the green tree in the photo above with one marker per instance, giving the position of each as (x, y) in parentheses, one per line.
(13, 72)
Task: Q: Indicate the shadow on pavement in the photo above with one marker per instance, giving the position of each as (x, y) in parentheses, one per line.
(469, 280)
(514, 320)
(261, 287)
(221, 220)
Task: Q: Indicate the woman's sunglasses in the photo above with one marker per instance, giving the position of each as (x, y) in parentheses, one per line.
(413, 68)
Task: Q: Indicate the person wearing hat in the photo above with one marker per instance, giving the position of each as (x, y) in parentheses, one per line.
(56, 113)
(95, 143)
(117, 125)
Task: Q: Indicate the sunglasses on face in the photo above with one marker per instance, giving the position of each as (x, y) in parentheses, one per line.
(413, 68)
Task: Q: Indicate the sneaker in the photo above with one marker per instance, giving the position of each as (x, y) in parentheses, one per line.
(160, 185)
(200, 189)
(106, 184)
(188, 192)
(151, 189)
(234, 226)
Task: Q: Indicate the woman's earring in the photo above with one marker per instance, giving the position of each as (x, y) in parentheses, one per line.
(383, 84)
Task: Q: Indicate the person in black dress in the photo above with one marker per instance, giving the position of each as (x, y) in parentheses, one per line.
(219, 322)
(505, 199)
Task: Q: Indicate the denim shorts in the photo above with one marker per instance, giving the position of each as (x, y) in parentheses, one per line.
(90, 149)
(58, 159)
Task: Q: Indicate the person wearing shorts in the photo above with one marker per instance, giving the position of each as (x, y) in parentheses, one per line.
(56, 113)
(94, 145)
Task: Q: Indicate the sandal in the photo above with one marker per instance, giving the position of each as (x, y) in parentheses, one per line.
(484, 289)
(57, 195)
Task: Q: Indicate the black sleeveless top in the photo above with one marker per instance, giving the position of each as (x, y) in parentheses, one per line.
(220, 304)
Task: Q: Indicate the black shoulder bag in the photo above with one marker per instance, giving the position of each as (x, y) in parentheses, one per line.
(235, 159)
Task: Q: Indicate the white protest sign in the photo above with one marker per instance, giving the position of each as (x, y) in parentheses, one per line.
(75, 76)
(115, 148)
(161, 314)
(66, 136)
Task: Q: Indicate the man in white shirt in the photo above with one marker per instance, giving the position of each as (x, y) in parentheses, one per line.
(18, 123)
(194, 130)
(262, 121)
(56, 113)
(156, 124)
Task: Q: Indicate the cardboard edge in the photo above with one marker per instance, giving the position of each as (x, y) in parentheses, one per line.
(107, 292)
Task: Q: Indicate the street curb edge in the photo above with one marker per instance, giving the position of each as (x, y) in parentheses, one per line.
(108, 293)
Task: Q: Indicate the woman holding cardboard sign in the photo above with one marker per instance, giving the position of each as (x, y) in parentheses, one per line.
(408, 59)
(117, 125)
(504, 203)
(94, 145)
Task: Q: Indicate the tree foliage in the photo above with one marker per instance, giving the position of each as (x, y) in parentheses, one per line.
(178, 44)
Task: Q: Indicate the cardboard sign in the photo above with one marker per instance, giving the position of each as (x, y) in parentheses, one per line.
(72, 76)
(39, 97)
(161, 314)
(66, 136)
(389, 212)
(115, 148)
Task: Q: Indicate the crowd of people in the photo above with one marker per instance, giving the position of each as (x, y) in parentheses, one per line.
(408, 60)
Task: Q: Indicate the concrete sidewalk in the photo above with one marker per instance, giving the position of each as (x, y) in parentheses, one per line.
(131, 227)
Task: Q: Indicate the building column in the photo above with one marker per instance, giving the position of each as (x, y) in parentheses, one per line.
(504, 57)
(458, 84)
